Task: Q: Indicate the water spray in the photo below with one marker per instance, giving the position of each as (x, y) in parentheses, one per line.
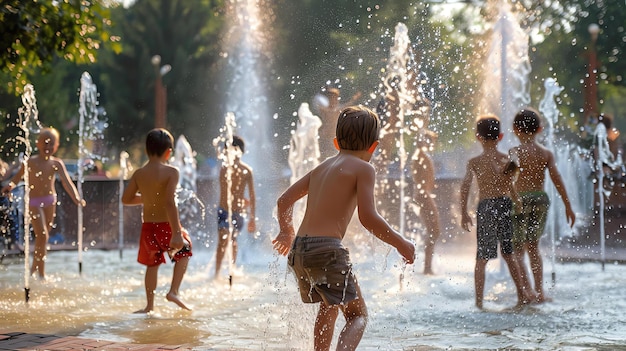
(124, 168)
(227, 153)
(91, 127)
(550, 111)
(28, 121)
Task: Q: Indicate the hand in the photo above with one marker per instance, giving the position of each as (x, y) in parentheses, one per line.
(571, 216)
(252, 225)
(177, 242)
(408, 252)
(466, 222)
(283, 241)
(82, 203)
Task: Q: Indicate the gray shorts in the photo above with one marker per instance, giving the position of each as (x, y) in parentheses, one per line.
(323, 270)
(493, 225)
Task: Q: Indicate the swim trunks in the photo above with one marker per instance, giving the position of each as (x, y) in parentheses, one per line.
(155, 242)
(222, 219)
(529, 224)
(493, 225)
(323, 270)
(43, 201)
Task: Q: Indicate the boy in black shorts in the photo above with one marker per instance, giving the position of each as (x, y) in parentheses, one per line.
(494, 178)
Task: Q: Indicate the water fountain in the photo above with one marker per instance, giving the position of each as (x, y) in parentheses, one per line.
(304, 151)
(505, 87)
(28, 122)
(91, 127)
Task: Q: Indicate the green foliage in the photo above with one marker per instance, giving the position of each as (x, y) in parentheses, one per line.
(185, 34)
(35, 32)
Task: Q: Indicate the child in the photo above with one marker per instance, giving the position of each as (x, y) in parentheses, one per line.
(42, 171)
(317, 257)
(529, 223)
(241, 177)
(154, 186)
(493, 216)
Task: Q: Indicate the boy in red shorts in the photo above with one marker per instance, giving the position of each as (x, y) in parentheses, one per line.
(154, 187)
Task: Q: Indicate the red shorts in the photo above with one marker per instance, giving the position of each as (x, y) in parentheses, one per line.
(155, 242)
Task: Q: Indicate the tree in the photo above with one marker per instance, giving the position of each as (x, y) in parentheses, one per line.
(35, 32)
(186, 35)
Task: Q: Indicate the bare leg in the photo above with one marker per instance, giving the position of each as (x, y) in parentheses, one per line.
(150, 282)
(223, 237)
(529, 294)
(42, 219)
(430, 216)
(479, 281)
(355, 313)
(536, 265)
(234, 246)
(514, 270)
(180, 267)
(325, 326)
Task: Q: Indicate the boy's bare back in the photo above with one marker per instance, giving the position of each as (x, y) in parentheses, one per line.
(241, 177)
(533, 159)
(156, 183)
(488, 170)
(334, 189)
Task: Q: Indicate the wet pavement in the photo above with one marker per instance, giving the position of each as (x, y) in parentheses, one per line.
(29, 341)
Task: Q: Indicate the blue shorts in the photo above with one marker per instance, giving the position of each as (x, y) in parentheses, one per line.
(222, 220)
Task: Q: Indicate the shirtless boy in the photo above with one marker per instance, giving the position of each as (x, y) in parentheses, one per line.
(42, 171)
(529, 223)
(154, 187)
(493, 216)
(317, 257)
(234, 198)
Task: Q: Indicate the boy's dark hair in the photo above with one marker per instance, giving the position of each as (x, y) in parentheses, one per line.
(488, 127)
(238, 142)
(358, 128)
(158, 141)
(527, 121)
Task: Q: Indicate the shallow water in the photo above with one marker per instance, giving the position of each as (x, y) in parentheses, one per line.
(262, 310)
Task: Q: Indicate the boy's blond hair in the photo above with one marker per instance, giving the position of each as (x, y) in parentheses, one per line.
(358, 128)
(50, 132)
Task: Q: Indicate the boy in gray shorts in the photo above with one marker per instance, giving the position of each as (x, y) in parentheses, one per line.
(316, 256)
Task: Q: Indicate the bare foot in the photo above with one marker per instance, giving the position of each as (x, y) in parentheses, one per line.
(428, 271)
(173, 298)
(143, 311)
(541, 298)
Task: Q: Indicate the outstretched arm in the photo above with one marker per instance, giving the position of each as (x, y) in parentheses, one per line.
(373, 221)
(555, 176)
(14, 180)
(252, 220)
(284, 239)
(466, 220)
(68, 185)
